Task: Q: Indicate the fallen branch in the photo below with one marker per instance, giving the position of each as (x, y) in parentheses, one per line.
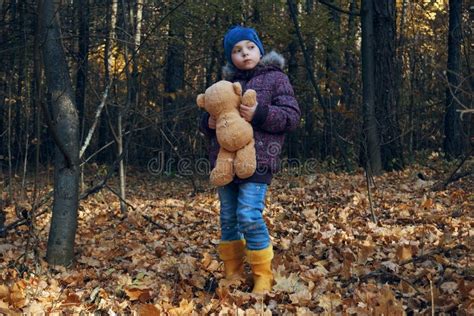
(432, 298)
(20, 222)
(90, 191)
(120, 198)
(442, 185)
(149, 219)
(388, 276)
(383, 270)
(191, 178)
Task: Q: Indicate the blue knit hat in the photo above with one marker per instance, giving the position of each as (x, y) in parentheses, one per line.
(236, 34)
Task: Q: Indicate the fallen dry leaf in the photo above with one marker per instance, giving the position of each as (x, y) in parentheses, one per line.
(4, 291)
(329, 257)
(18, 294)
(136, 294)
(185, 308)
(147, 310)
(404, 252)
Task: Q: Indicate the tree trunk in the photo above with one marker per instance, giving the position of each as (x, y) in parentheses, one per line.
(454, 138)
(18, 122)
(175, 57)
(371, 136)
(17, 117)
(66, 127)
(292, 139)
(3, 91)
(386, 87)
(82, 10)
(9, 149)
(256, 16)
(104, 132)
(411, 104)
(308, 105)
(3, 105)
(123, 206)
(127, 26)
(174, 81)
(136, 47)
(348, 69)
(292, 60)
(213, 55)
(174, 76)
(332, 87)
(9, 13)
(136, 20)
(348, 73)
(37, 99)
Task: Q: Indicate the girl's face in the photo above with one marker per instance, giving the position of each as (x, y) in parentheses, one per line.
(245, 55)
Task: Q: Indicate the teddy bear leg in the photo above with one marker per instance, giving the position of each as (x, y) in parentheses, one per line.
(245, 161)
(223, 172)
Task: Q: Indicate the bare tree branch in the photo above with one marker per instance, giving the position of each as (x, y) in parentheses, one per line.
(336, 8)
(96, 119)
(309, 67)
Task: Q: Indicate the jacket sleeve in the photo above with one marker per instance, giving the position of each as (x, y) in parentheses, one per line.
(204, 125)
(283, 114)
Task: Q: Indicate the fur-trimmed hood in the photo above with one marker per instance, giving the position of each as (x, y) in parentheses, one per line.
(271, 60)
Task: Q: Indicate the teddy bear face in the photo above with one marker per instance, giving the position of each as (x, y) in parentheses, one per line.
(221, 97)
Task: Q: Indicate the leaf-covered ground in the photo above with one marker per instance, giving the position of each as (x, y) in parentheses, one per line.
(330, 257)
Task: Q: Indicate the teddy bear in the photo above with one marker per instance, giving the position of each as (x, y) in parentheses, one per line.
(234, 134)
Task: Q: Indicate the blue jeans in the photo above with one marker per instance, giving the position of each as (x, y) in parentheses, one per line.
(241, 214)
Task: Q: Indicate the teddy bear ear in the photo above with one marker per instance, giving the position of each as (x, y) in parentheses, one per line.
(201, 100)
(237, 88)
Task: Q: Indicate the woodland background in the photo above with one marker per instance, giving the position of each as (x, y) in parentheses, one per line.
(97, 98)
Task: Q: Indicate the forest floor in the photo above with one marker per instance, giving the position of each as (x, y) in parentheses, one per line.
(330, 258)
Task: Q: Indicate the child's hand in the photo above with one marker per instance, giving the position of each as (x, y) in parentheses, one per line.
(247, 112)
(212, 122)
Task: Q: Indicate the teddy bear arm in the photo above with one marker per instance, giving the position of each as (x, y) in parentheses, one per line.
(249, 98)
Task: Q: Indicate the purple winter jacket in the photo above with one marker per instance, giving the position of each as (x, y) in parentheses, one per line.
(277, 113)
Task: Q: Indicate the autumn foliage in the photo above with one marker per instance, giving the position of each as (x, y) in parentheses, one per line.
(330, 258)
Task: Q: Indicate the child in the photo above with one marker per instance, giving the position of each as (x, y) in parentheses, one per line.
(243, 230)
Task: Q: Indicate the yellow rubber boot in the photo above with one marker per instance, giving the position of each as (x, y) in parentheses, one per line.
(232, 253)
(261, 264)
